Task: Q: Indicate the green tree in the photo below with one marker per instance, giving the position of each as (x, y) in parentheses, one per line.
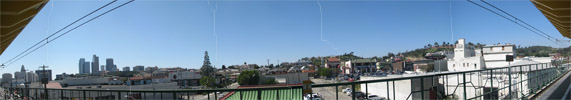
(223, 66)
(256, 66)
(270, 82)
(392, 54)
(249, 77)
(207, 69)
(324, 72)
(208, 82)
(231, 67)
(271, 66)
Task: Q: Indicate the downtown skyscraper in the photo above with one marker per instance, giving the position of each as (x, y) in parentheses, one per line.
(95, 64)
(83, 66)
(109, 66)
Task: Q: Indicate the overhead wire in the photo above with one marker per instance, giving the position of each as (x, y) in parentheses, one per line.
(48, 41)
(45, 39)
(514, 21)
(517, 19)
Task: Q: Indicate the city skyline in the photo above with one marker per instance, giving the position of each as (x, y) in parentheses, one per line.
(254, 35)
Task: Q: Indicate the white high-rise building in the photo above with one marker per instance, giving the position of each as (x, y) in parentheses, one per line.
(32, 77)
(20, 75)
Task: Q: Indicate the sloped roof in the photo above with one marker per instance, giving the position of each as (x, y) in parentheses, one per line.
(332, 59)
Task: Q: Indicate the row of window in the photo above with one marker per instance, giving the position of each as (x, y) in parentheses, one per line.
(503, 48)
(466, 65)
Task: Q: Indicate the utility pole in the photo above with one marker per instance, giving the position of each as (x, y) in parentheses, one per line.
(45, 80)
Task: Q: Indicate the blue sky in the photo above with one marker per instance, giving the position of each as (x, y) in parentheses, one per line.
(174, 33)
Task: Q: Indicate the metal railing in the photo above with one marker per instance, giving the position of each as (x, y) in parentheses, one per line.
(516, 82)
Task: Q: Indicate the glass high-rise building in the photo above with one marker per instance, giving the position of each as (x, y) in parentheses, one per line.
(86, 67)
(95, 64)
(109, 66)
(81, 68)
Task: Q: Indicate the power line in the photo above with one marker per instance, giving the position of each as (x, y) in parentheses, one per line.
(514, 21)
(61, 30)
(517, 19)
(48, 41)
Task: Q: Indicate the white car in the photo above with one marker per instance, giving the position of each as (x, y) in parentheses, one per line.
(313, 96)
(348, 92)
(346, 89)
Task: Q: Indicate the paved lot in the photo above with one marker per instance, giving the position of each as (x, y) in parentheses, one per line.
(328, 93)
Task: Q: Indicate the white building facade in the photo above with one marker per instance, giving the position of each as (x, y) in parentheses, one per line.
(495, 55)
(466, 58)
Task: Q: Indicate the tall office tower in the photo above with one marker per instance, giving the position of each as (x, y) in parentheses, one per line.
(126, 69)
(6, 77)
(103, 68)
(95, 64)
(81, 61)
(109, 64)
(20, 75)
(86, 67)
(139, 68)
(32, 77)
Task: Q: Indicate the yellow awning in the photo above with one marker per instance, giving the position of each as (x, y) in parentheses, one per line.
(558, 13)
(15, 15)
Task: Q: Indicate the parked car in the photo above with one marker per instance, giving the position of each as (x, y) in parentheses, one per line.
(345, 90)
(375, 97)
(358, 94)
(313, 96)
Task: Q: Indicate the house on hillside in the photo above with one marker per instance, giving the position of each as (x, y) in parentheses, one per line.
(359, 66)
(332, 63)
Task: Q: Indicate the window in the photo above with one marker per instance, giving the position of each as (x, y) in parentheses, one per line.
(491, 49)
(453, 65)
(503, 48)
(475, 66)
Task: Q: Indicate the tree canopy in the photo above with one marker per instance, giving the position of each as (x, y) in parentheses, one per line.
(207, 69)
(250, 77)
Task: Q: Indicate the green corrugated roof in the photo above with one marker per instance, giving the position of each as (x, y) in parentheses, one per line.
(286, 94)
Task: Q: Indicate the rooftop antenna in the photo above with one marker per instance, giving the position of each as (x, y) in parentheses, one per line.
(450, 16)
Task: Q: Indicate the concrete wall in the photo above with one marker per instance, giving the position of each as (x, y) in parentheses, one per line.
(291, 78)
(402, 88)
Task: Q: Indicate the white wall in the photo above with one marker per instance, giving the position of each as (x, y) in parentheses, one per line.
(402, 88)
